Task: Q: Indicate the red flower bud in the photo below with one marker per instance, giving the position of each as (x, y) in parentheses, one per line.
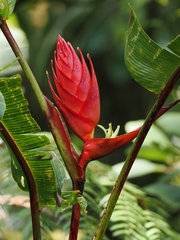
(78, 93)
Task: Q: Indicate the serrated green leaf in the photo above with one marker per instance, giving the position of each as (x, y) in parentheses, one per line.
(19, 131)
(2, 106)
(148, 63)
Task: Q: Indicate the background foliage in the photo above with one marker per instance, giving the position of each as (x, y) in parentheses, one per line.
(99, 28)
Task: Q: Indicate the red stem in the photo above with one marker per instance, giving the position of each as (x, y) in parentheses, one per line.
(75, 218)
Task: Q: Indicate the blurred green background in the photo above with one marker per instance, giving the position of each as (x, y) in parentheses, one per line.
(99, 28)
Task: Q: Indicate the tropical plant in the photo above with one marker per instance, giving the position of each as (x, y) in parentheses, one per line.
(54, 171)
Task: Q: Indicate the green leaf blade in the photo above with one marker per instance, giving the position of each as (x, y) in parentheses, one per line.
(22, 135)
(148, 63)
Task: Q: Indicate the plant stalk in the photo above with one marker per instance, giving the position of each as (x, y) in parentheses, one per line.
(76, 210)
(75, 218)
(163, 95)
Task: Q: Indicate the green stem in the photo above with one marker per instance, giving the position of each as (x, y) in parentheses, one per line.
(133, 154)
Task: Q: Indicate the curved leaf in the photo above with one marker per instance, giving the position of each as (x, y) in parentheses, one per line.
(148, 63)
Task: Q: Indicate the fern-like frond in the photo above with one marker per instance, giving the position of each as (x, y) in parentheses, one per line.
(132, 220)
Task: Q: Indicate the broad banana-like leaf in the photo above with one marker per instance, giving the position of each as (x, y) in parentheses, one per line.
(24, 139)
(148, 63)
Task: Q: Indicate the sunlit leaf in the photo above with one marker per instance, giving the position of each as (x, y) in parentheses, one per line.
(148, 63)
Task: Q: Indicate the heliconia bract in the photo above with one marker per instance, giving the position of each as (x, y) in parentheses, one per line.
(77, 90)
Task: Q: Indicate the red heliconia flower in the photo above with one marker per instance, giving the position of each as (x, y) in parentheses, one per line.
(78, 100)
(77, 94)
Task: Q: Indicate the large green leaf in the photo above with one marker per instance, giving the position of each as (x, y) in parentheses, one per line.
(148, 63)
(18, 130)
